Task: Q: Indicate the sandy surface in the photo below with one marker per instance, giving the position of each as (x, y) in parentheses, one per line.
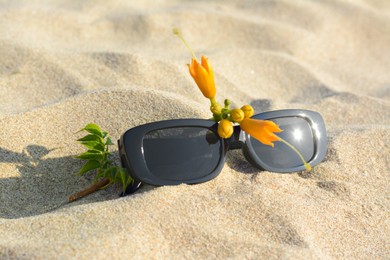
(64, 64)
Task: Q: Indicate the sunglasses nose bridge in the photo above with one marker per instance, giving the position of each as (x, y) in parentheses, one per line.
(235, 141)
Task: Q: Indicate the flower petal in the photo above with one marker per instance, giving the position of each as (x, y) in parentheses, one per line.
(205, 64)
(203, 76)
(262, 130)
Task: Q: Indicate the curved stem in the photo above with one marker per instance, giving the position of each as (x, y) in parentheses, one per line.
(307, 166)
(177, 32)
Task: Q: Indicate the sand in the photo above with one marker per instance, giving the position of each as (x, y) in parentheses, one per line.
(64, 64)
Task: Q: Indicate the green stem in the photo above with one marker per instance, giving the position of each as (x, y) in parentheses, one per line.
(177, 32)
(307, 166)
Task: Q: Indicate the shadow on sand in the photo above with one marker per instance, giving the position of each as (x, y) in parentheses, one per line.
(43, 184)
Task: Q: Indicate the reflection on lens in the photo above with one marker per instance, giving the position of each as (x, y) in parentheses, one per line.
(297, 134)
(182, 153)
(296, 131)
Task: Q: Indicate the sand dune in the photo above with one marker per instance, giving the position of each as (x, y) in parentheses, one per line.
(64, 64)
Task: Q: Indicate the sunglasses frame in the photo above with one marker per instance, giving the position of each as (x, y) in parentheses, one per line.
(131, 145)
(317, 126)
(138, 168)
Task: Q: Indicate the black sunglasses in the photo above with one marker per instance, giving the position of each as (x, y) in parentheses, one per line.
(190, 151)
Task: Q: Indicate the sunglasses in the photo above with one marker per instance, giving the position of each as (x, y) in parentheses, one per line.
(190, 151)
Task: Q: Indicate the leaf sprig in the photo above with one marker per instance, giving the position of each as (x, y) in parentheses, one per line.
(98, 157)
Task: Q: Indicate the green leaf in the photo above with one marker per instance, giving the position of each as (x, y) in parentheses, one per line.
(110, 173)
(107, 173)
(94, 145)
(91, 138)
(118, 178)
(109, 141)
(90, 165)
(124, 176)
(99, 175)
(91, 155)
(93, 129)
(98, 157)
(106, 164)
(126, 179)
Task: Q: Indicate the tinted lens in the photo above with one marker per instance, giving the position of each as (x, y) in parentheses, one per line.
(182, 153)
(296, 131)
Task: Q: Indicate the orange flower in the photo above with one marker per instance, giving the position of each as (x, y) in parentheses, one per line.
(262, 130)
(203, 76)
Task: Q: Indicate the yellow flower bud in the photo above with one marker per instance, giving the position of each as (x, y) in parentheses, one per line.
(237, 115)
(225, 128)
(248, 111)
(216, 108)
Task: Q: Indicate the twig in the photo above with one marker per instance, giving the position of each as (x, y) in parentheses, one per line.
(88, 190)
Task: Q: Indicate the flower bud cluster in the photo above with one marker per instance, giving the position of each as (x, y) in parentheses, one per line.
(227, 117)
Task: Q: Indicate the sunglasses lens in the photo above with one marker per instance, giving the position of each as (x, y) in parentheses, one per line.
(296, 131)
(182, 153)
